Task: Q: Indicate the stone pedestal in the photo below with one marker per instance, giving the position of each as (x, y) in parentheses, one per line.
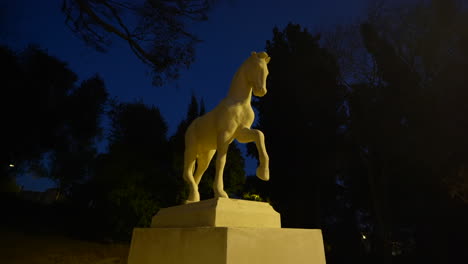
(219, 212)
(224, 231)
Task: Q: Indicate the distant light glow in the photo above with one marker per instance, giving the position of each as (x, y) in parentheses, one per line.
(364, 236)
(12, 165)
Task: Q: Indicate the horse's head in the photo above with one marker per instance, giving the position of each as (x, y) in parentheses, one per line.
(257, 72)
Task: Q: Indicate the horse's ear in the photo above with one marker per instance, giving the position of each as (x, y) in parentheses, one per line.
(267, 60)
(254, 53)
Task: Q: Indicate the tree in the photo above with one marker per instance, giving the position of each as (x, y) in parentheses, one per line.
(72, 159)
(154, 29)
(46, 113)
(299, 124)
(133, 180)
(35, 85)
(409, 127)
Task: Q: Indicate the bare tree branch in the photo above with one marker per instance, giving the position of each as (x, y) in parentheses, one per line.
(154, 29)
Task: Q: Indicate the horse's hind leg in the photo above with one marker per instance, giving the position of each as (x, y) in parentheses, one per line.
(218, 185)
(203, 161)
(189, 165)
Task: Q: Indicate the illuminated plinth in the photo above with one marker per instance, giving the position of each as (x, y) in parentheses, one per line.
(221, 239)
(219, 212)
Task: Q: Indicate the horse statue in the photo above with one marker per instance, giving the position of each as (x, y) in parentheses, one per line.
(230, 119)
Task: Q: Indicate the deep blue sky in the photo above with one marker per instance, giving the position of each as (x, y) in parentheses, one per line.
(234, 29)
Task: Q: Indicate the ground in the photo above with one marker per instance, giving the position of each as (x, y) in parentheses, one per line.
(22, 248)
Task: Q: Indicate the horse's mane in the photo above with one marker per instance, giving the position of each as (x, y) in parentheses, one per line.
(262, 55)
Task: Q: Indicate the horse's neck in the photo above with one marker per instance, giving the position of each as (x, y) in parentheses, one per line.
(240, 90)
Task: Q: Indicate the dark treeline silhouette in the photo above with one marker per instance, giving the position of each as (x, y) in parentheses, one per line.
(366, 128)
(367, 139)
(45, 112)
(52, 127)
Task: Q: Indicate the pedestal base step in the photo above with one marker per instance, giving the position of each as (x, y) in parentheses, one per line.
(226, 245)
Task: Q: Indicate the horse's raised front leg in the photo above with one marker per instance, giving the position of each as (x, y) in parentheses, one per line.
(218, 184)
(246, 135)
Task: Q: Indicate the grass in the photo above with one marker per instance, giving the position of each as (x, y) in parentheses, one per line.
(24, 248)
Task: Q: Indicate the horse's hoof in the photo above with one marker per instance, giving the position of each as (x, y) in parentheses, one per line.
(193, 198)
(221, 194)
(263, 173)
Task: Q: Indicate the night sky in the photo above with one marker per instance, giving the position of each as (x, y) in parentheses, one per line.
(233, 30)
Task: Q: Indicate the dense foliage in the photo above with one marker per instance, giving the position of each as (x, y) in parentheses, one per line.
(365, 128)
(47, 114)
(54, 126)
(368, 138)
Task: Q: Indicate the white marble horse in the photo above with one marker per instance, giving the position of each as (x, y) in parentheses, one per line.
(230, 119)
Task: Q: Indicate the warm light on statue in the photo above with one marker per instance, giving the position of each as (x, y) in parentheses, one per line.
(230, 119)
(221, 230)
